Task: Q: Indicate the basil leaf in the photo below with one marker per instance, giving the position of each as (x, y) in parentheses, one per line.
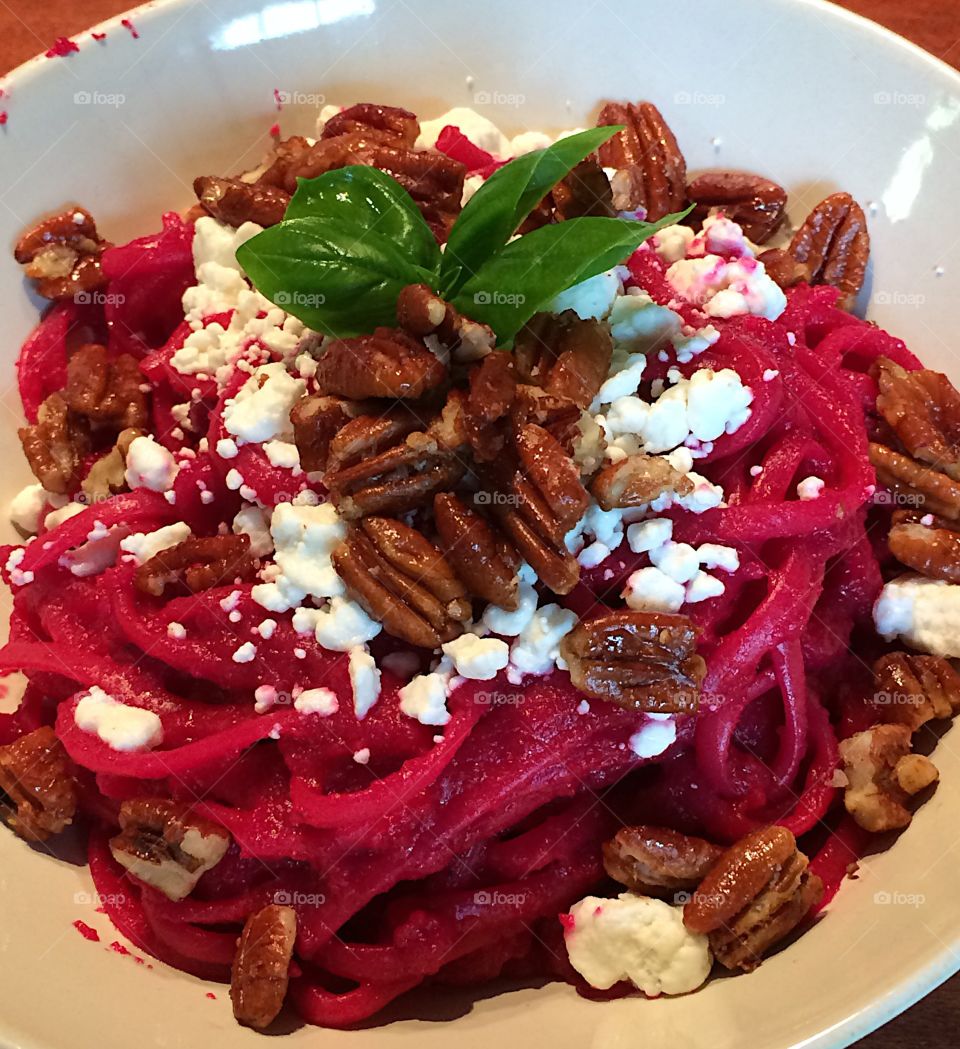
(338, 278)
(528, 273)
(374, 202)
(494, 212)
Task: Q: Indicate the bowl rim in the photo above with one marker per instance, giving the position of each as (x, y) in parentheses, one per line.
(946, 962)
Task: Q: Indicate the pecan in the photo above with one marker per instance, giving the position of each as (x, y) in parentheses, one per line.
(233, 201)
(386, 465)
(395, 124)
(107, 476)
(558, 415)
(198, 564)
(923, 410)
(584, 192)
(755, 203)
(493, 387)
(316, 421)
(914, 483)
(834, 244)
(486, 564)
(285, 154)
(882, 774)
(757, 893)
(638, 660)
(657, 861)
(422, 312)
(388, 363)
(912, 690)
(637, 481)
(35, 775)
(165, 845)
(62, 254)
(651, 171)
(261, 966)
(783, 268)
(566, 356)
(934, 552)
(56, 445)
(403, 581)
(106, 391)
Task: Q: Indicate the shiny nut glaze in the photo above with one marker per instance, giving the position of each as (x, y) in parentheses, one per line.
(62, 254)
(261, 967)
(738, 877)
(658, 861)
(934, 552)
(197, 564)
(905, 477)
(834, 244)
(564, 355)
(316, 421)
(37, 778)
(912, 689)
(233, 201)
(637, 481)
(388, 363)
(755, 203)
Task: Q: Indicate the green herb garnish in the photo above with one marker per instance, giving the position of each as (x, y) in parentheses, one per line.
(353, 237)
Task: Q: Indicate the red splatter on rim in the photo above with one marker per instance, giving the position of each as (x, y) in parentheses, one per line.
(62, 47)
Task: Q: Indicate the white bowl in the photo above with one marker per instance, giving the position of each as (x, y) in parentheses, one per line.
(795, 89)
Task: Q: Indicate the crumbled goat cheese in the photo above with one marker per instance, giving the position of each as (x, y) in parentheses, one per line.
(246, 653)
(508, 624)
(671, 242)
(648, 535)
(727, 288)
(227, 448)
(261, 408)
(27, 506)
(283, 454)
(424, 697)
(924, 613)
(637, 939)
(650, 590)
(810, 488)
(144, 545)
(57, 517)
(362, 756)
(252, 521)
(320, 701)
(119, 726)
(343, 625)
(477, 658)
(537, 648)
(267, 629)
(150, 465)
(702, 587)
(264, 698)
(591, 299)
(656, 734)
(677, 560)
(364, 679)
(176, 631)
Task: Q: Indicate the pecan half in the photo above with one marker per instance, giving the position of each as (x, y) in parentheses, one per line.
(882, 775)
(388, 363)
(233, 201)
(286, 153)
(934, 552)
(834, 244)
(919, 485)
(165, 845)
(198, 564)
(783, 268)
(55, 445)
(755, 203)
(35, 775)
(395, 124)
(493, 389)
(638, 660)
(756, 894)
(559, 416)
(62, 254)
(923, 410)
(107, 476)
(912, 689)
(106, 391)
(651, 171)
(261, 967)
(316, 421)
(387, 466)
(637, 481)
(403, 581)
(564, 355)
(657, 861)
(422, 312)
(485, 563)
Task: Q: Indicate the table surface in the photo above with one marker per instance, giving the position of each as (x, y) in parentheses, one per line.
(29, 26)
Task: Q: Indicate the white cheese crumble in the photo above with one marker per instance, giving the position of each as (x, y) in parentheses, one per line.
(246, 653)
(342, 625)
(284, 454)
(322, 701)
(364, 679)
(119, 726)
(150, 465)
(27, 506)
(651, 590)
(924, 613)
(727, 288)
(362, 756)
(537, 648)
(252, 521)
(477, 658)
(176, 631)
(424, 697)
(656, 734)
(144, 545)
(591, 299)
(810, 488)
(261, 408)
(637, 939)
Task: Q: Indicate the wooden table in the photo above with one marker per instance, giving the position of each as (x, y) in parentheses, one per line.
(30, 26)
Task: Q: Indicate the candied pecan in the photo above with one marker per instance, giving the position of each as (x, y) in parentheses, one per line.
(386, 465)
(638, 660)
(637, 481)
(912, 689)
(755, 203)
(651, 171)
(934, 552)
(198, 564)
(485, 563)
(783, 268)
(107, 476)
(62, 254)
(403, 581)
(882, 774)
(493, 387)
(558, 415)
(756, 894)
(388, 363)
(284, 155)
(106, 391)
(233, 201)
(165, 845)
(657, 861)
(566, 356)
(911, 482)
(35, 775)
(422, 312)
(261, 967)
(316, 421)
(55, 445)
(584, 192)
(396, 124)
(923, 410)
(834, 243)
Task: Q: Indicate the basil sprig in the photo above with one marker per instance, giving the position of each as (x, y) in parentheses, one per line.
(353, 237)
